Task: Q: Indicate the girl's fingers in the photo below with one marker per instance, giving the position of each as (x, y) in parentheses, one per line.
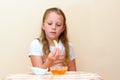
(57, 52)
(54, 54)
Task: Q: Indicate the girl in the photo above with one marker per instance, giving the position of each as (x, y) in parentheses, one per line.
(43, 52)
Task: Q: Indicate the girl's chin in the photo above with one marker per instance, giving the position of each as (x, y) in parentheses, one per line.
(52, 38)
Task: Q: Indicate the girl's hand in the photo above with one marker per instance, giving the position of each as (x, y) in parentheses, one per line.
(54, 55)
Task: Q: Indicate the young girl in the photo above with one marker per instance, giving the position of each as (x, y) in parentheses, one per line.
(43, 52)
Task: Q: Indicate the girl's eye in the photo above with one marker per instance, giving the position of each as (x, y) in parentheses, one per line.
(49, 23)
(58, 24)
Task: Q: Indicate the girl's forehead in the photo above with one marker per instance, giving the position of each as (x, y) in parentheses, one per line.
(54, 15)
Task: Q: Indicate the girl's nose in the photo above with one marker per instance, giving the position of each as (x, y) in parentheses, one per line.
(53, 26)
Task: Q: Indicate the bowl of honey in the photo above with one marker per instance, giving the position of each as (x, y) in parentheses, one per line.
(58, 70)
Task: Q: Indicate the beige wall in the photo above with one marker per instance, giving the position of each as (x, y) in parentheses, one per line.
(94, 30)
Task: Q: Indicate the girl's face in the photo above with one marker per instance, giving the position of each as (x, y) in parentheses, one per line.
(53, 25)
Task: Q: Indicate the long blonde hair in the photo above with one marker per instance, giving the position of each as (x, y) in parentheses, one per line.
(63, 36)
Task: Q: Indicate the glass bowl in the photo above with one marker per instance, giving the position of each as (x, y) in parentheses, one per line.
(58, 70)
(39, 71)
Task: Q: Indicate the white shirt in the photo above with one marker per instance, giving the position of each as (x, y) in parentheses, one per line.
(36, 50)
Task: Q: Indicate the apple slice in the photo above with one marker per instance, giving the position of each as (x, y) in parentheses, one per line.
(55, 42)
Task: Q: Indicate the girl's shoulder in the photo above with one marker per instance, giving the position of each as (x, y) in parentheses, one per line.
(70, 44)
(35, 48)
(36, 42)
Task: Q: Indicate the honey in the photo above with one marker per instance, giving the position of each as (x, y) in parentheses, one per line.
(59, 71)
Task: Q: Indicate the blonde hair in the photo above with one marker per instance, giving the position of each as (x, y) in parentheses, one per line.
(63, 36)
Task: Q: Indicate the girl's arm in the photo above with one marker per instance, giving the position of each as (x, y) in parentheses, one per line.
(38, 62)
(72, 65)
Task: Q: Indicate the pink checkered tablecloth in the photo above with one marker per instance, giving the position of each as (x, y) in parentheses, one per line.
(70, 75)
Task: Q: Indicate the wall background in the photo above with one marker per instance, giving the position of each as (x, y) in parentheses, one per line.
(93, 25)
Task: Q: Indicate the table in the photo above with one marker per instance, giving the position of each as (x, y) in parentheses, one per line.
(70, 75)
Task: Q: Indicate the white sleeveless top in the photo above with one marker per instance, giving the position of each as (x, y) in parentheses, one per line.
(36, 50)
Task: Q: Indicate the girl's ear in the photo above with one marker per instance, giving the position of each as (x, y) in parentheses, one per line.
(43, 26)
(63, 28)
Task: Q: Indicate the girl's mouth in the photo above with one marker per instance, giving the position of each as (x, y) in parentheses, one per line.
(53, 32)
